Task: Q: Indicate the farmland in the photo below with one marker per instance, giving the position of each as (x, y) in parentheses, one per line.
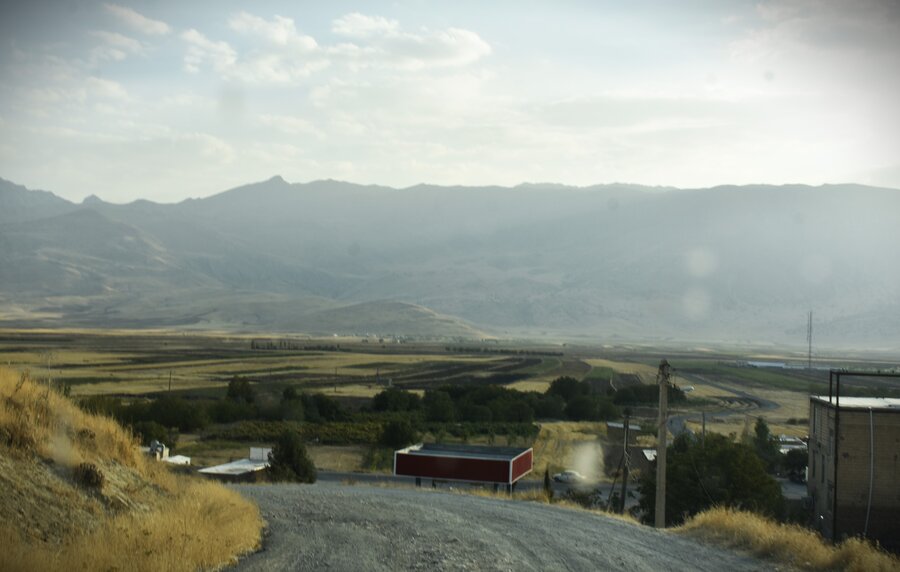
(143, 367)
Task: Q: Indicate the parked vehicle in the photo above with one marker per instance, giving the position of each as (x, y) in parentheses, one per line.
(569, 477)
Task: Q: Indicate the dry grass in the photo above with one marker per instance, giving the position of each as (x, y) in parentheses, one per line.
(343, 459)
(142, 516)
(358, 390)
(790, 544)
(529, 495)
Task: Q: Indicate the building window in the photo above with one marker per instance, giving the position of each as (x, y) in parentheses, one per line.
(823, 469)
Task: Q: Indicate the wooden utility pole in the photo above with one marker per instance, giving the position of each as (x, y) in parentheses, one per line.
(662, 378)
(703, 431)
(625, 469)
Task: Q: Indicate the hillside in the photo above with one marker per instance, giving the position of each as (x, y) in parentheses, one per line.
(74, 482)
(612, 262)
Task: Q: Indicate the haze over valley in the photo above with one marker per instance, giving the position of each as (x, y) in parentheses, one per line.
(610, 262)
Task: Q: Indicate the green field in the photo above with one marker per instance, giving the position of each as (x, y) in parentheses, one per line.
(136, 366)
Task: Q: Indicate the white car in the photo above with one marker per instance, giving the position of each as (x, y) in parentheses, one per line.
(569, 477)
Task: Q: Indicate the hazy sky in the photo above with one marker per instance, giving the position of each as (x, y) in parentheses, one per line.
(165, 100)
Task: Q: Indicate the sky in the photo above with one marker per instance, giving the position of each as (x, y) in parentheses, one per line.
(170, 100)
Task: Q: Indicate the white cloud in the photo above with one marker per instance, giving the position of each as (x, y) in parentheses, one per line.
(279, 31)
(289, 124)
(382, 43)
(282, 54)
(114, 46)
(105, 88)
(358, 25)
(289, 56)
(202, 50)
(138, 21)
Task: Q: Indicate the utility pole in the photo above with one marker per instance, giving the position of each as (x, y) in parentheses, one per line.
(809, 341)
(662, 378)
(625, 469)
(170, 381)
(703, 433)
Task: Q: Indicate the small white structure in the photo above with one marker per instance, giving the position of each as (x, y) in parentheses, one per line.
(156, 450)
(242, 469)
(178, 460)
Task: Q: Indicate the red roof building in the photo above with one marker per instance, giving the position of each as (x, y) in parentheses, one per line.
(468, 463)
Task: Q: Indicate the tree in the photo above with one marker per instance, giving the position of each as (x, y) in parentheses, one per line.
(240, 390)
(591, 408)
(394, 399)
(288, 460)
(715, 472)
(398, 434)
(318, 408)
(438, 406)
(148, 431)
(550, 407)
(766, 446)
(568, 388)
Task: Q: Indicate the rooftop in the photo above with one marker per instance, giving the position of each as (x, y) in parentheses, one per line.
(235, 468)
(886, 403)
(468, 451)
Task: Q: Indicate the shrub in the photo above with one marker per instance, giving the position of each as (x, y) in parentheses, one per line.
(88, 475)
(398, 434)
(568, 388)
(591, 408)
(717, 472)
(148, 431)
(240, 390)
(394, 399)
(439, 406)
(288, 460)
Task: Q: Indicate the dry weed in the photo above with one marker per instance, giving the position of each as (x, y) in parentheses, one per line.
(153, 520)
(787, 543)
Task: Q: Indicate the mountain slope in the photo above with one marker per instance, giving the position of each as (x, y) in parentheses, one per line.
(610, 261)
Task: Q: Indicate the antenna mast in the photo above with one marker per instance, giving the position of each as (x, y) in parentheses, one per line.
(809, 341)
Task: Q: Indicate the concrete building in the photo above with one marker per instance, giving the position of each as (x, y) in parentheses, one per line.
(854, 467)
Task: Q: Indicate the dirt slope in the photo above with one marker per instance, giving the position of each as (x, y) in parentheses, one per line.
(335, 527)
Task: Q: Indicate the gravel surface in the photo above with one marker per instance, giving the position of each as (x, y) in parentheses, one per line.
(336, 527)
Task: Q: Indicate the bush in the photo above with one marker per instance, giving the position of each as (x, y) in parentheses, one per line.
(319, 408)
(288, 460)
(568, 388)
(240, 390)
(439, 406)
(646, 393)
(591, 408)
(229, 411)
(148, 431)
(717, 472)
(398, 434)
(394, 399)
(88, 475)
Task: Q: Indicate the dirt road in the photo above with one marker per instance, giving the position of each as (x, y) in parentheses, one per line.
(336, 527)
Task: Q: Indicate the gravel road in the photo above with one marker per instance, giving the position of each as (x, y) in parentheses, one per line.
(337, 527)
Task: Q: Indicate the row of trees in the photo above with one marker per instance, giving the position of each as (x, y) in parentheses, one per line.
(567, 398)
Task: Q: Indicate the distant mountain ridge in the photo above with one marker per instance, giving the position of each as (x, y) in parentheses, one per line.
(611, 262)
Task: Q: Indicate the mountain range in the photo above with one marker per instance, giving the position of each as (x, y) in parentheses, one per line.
(607, 263)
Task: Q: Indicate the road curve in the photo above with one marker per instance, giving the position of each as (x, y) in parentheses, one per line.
(329, 526)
